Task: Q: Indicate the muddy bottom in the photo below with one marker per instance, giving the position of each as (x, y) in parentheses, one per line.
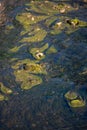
(43, 67)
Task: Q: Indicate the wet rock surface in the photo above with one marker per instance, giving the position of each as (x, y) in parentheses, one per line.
(43, 55)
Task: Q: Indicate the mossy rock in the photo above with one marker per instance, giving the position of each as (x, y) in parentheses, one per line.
(38, 53)
(70, 95)
(32, 81)
(77, 103)
(5, 89)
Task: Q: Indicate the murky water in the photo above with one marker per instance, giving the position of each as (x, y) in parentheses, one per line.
(43, 55)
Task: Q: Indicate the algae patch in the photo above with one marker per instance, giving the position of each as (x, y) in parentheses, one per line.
(32, 81)
(77, 103)
(38, 53)
(71, 95)
(74, 99)
(28, 73)
(5, 89)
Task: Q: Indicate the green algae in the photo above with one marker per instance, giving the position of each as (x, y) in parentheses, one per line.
(38, 53)
(34, 68)
(51, 50)
(74, 24)
(71, 95)
(77, 22)
(29, 66)
(5, 89)
(46, 7)
(26, 73)
(74, 99)
(2, 97)
(77, 103)
(37, 36)
(32, 81)
(26, 79)
(49, 22)
(26, 19)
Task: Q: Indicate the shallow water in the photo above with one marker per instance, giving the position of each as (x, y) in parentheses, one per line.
(42, 57)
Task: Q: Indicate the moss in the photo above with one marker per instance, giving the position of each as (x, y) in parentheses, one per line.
(38, 53)
(71, 95)
(77, 103)
(5, 89)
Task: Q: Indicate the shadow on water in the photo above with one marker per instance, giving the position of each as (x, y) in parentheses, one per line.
(44, 106)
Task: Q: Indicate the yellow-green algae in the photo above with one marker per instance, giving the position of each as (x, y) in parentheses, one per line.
(78, 22)
(77, 103)
(36, 36)
(71, 95)
(50, 20)
(2, 97)
(32, 81)
(51, 50)
(74, 25)
(27, 19)
(15, 49)
(26, 79)
(47, 7)
(30, 67)
(5, 89)
(38, 53)
(27, 76)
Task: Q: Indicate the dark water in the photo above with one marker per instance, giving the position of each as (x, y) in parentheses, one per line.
(44, 107)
